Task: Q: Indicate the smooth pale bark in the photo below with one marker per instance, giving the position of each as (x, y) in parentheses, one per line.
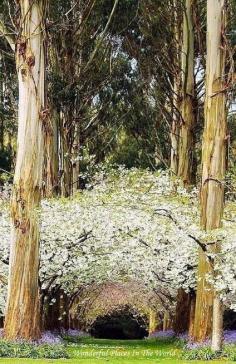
(188, 119)
(22, 313)
(213, 169)
(154, 321)
(167, 323)
(217, 327)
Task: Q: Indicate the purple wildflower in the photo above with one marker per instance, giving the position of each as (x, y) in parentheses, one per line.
(230, 336)
(49, 337)
(162, 334)
(75, 333)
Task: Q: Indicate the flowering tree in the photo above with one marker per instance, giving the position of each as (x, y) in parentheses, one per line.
(127, 225)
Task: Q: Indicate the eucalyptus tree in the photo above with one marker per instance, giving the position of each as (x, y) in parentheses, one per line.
(83, 65)
(8, 98)
(22, 313)
(188, 116)
(174, 81)
(208, 302)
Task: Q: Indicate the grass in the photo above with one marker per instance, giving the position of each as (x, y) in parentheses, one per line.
(97, 351)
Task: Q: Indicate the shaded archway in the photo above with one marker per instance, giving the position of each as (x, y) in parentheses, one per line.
(123, 324)
(96, 304)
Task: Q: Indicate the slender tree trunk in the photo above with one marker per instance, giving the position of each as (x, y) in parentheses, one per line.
(2, 102)
(1, 133)
(192, 315)
(154, 321)
(51, 157)
(65, 155)
(22, 314)
(67, 170)
(76, 162)
(174, 134)
(167, 323)
(217, 326)
(204, 300)
(188, 119)
(213, 172)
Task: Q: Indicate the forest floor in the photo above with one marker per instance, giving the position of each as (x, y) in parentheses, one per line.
(98, 351)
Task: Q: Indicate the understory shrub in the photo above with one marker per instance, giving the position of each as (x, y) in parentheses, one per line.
(205, 353)
(31, 350)
(200, 353)
(230, 352)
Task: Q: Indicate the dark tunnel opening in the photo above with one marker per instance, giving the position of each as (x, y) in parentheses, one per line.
(122, 325)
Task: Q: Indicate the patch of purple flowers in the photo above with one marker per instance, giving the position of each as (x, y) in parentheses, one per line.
(162, 334)
(183, 336)
(191, 345)
(74, 332)
(49, 337)
(230, 336)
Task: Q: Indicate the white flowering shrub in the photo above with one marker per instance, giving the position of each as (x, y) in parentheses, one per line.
(128, 224)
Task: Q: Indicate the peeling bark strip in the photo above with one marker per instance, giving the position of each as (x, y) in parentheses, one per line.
(213, 168)
(22, 315)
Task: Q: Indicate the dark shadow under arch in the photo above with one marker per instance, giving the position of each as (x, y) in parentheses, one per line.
(123, 325)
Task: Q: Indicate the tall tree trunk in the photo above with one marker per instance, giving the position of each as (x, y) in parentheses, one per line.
(22, 314)
(204, 300)
(217, 325)
(174, 133)
(192, 315)
(51, 157)
(186, 140)
(64, 157)
(67, 170)
(75, 157)
(167, 322)
(154, 321)
(213, 172)
(2, 90)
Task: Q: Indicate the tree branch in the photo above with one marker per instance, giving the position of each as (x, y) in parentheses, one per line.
(102, 35)
(3, 279)
(7, 35)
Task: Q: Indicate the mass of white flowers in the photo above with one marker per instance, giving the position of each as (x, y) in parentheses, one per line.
(128, 224)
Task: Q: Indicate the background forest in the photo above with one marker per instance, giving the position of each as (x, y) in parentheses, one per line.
(117, 166)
